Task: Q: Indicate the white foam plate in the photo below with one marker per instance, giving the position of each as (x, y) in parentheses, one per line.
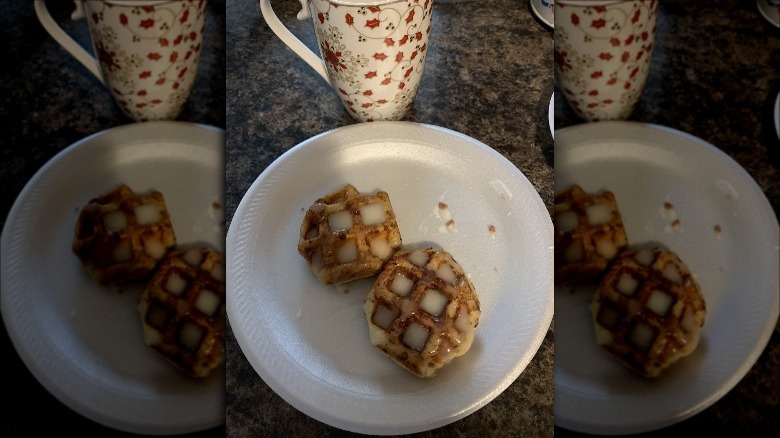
(310, 342)
(776, 113)
(551, 115)
(545, 16)
(770, 9)
(728, 236)
(84, 342)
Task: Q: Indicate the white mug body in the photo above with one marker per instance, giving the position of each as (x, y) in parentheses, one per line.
(602, 55)
(148, 53)
(372, 53)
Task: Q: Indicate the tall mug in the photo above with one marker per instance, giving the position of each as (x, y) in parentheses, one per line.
(145, 52)
(602, 54)
(372, 53)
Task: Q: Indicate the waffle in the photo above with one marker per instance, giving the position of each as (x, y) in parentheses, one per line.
(648, 310)
(422, 310)
(182, 310)
(347, 235)
(121, 236)
(589, 234)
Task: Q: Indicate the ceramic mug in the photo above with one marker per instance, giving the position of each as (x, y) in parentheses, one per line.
(602, 55)
(372, 52)
(146, 52)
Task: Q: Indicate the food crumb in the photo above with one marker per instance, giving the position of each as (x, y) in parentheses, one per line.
(492, 231)
(443, 213)
(718, 231)
(668, 212)
(216, 205)
(450, 224)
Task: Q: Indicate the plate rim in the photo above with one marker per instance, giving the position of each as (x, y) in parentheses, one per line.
(132, 133)
(539, 15)
(765, 14)
(768, 326)
(330, 418)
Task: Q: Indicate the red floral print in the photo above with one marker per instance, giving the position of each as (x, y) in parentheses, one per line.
(374, 78)
(603, 83)
(106, 58)
(146, 24)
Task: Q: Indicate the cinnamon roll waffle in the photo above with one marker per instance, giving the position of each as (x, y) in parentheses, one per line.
(122, 236)
(589, 233)
(182, 310)
(347, 235)
(648, 310)
(422, 310)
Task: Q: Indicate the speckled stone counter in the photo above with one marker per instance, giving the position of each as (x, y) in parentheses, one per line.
(714, 76)
(49, 101)
(488, 75)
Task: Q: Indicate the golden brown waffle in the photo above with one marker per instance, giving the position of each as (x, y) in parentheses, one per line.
(121, 236)
(347, 235)
(589, 233)
(648, 310)
(422, 310)
(183, 310)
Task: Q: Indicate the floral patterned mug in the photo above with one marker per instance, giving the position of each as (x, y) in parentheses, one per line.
(146, 52)
(602, 55)
(372, 52)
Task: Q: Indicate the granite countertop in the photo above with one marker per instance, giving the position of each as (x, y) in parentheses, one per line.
(50, 101)
(488, 75)
(714, 76)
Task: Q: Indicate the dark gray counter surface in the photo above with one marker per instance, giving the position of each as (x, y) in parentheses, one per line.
(49, 101)
(488, 75)
(714, 76)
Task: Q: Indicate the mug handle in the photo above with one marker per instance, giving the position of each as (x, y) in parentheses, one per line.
(65, 40)
(291, 40)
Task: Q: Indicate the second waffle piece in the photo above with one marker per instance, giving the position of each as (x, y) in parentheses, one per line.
(648, 310)
(422, 310)
(182, 310)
